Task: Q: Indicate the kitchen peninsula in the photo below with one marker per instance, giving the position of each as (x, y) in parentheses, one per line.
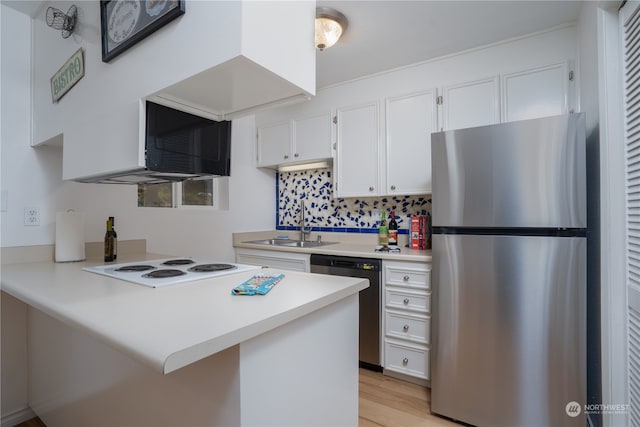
(105, 352)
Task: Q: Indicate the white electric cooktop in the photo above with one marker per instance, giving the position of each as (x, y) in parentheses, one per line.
(169, 271)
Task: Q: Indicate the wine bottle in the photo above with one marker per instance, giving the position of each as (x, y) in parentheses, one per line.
(393, 230)
(108, 243)
(115, 237)
(383, 231)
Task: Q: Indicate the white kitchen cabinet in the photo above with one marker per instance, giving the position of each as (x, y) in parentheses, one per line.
(297, 140)
(410, 120)
(274, 143)
(357, 162)
(469, 104)
(535, 93)
(313, 137)
(274, 259)
(407, 320)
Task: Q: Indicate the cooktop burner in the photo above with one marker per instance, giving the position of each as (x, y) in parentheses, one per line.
(211, 267)
(161, 274)
(135, 268)
(184, 261)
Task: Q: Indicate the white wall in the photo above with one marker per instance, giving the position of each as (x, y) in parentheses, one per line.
(33, 177)
(14, 125)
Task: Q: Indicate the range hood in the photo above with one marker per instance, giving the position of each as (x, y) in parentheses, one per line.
(176, 145)
(138, 176)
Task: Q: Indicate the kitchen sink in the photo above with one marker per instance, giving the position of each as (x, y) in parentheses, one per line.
(309, 244)
(292, 243)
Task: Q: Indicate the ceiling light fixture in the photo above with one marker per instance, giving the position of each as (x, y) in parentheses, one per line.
(330, 25)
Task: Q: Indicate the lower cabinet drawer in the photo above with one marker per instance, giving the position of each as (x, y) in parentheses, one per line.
(410, 301)
(406, 276)
(407, 360)
(406, 327)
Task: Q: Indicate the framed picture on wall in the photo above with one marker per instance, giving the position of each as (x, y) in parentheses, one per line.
(125, 22)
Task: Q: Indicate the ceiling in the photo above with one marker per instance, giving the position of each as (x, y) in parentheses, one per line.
(386, 34)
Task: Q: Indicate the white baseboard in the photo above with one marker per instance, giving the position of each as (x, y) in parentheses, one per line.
(404, 377)
(16, 417)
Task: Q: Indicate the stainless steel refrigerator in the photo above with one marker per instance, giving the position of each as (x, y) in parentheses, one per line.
(509, 273)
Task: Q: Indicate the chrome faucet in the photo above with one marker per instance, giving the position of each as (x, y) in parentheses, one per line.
(304, 231)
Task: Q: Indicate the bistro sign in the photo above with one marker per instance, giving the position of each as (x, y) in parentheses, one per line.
(67, 76)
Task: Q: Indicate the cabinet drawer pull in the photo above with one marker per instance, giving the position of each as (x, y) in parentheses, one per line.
(405, 361)
(286, 156)
(406, 301)
(370, 188)
(393, 187)
(296, 155)
(406, 278)
(405, 328)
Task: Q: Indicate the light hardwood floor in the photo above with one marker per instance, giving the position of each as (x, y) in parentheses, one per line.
(384, 401)
(33, 422)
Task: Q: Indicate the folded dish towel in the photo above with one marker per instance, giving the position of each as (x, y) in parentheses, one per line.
(260, 284)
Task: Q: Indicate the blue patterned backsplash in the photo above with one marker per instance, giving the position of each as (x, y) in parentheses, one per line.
(324, 213)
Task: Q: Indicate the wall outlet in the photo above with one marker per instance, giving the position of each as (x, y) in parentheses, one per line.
(31, 217)
(375, 214)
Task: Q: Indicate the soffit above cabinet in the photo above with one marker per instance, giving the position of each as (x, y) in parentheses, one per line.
(234, 88)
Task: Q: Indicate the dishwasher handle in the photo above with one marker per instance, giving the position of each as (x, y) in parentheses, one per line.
(344, 264)
(351, 263)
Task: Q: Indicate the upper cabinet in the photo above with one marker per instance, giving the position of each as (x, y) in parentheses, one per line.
(274, 144)
(299, 140)
(535, 93)
(400, 164)
(313, 137)
(357, 164)
(410, 119)
(527, 94)
(474, 103)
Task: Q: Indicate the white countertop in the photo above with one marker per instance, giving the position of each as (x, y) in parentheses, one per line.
(347, 244)
(171, 327)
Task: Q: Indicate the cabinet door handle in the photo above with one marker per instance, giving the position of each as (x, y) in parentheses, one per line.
(296, 155)
(406, 278)
(393, 187)
(405, 328)
(370, 188)
(286, 156)
(405, 361)
(406, 301)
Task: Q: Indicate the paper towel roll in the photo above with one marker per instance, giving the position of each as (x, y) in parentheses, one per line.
(69, 236)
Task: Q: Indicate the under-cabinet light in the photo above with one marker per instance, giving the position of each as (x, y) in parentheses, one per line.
(304, 166)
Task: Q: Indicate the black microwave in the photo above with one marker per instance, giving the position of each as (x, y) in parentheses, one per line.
(181, 143)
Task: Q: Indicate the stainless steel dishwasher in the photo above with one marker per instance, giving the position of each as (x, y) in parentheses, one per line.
(366, 268)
